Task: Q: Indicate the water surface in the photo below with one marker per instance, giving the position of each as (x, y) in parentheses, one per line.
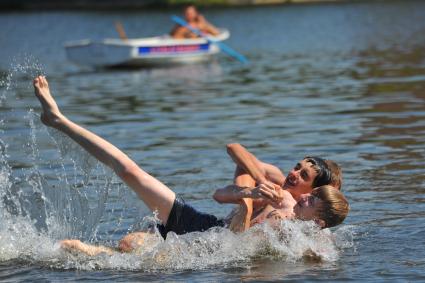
(345, 81)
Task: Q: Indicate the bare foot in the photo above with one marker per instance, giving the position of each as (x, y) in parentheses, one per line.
(51, 115)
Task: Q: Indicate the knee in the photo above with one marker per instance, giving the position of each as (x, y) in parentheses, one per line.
(231, 146)
(126, 170)
(131, 242)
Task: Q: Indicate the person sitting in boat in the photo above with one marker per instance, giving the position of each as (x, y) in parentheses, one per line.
(195, 20)
(173, 213)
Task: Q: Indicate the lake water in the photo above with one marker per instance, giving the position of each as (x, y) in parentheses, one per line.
(344, 81)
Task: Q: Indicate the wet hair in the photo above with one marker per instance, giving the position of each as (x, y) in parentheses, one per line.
(323, 173)
(336, 174)
(334, 208)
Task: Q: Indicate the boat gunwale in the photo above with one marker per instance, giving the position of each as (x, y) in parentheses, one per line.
(148, 41)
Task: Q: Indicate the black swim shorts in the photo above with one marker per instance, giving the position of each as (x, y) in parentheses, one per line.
(185, 219)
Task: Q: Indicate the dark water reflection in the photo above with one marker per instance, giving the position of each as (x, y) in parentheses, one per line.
(344, 81)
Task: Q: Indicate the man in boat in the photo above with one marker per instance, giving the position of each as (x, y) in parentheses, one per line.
(195, 20)
(173, 213)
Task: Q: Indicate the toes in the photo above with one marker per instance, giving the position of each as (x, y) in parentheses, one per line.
(46, 84)
(41, 81)
(36, 81)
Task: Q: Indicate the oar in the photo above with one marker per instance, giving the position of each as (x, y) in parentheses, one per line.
(225, 48)
(120, 29)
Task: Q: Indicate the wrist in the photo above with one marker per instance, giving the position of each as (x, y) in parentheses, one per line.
(261, 180)
(244, 192)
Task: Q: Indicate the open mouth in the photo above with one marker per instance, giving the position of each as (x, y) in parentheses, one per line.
(289, 182)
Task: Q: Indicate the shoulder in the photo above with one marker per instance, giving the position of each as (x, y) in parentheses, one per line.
(288, 199)
(286, 194)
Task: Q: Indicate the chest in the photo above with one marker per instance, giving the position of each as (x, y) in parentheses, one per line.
(270, 213)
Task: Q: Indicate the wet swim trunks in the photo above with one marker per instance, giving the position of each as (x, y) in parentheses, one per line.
(185, 219)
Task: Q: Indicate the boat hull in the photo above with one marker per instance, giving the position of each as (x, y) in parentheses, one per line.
(155, 51)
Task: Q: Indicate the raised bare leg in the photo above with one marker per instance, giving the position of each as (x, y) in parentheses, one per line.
(154, 194)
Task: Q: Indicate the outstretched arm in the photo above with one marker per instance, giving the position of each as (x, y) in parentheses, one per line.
(235, 194)
(260, 171)
(80, 247)
(232, 194)
(154, 194)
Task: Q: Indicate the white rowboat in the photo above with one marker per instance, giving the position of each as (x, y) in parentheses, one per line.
(153, 51)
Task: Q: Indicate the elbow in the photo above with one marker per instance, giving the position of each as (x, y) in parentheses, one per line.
(216, 197)
(231, 147)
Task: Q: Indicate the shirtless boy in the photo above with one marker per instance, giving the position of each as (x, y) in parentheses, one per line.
(306, 175)
(250, 172)
(172, 212)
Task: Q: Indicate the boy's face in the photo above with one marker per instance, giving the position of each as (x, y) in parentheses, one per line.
(307, 207)
(300, 178)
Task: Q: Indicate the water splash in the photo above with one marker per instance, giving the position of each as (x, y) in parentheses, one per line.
(33, 202)
(218, 247)
(23, 66)
(68, 194)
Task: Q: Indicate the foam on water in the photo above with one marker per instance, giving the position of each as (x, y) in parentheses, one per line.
(216, 247)
(68, 196)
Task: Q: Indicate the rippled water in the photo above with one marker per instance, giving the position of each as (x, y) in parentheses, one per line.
(346, 81)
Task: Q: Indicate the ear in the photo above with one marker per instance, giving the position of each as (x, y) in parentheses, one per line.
(320, 222)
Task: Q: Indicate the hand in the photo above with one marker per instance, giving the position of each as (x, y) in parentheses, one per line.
(271, 184)
(268, 193)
